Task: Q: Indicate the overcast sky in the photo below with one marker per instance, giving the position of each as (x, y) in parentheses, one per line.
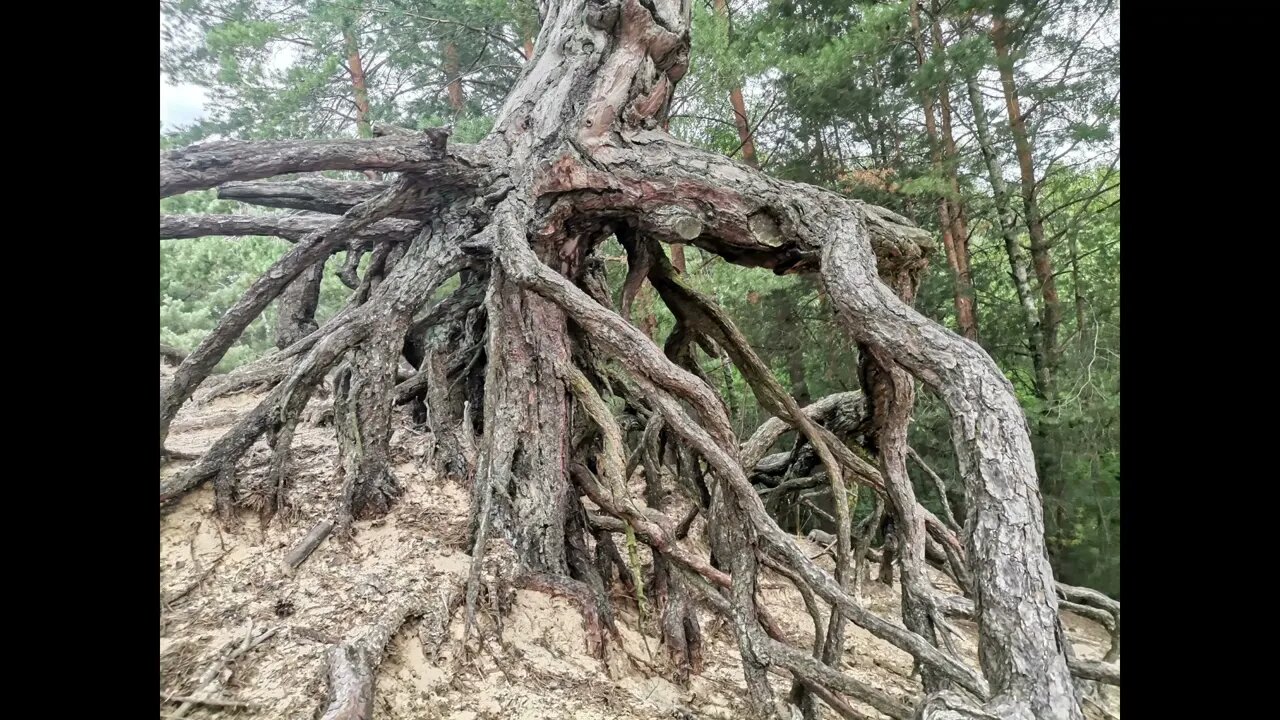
(179, 104)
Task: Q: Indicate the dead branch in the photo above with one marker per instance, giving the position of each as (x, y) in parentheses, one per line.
(209, 164)
(286, 227)
(173, 355)
(313, 194)
(308, 545)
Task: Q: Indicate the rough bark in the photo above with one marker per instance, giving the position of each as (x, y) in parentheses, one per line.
(524, 453)
(359, 85)
(951, 158)
(452, 71)
(293, 228)
(210, 164)
(1041, 260)
(1020, 638)
(312, 249)
(740, 119)
(1007, 222)
(296, 309)
(353, 664)
(1051, 319)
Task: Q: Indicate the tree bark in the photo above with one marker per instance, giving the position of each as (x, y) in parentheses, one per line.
(210, 164)
(1051, 477)
(1040, 257)
(962, 294)
(296, 309)
(951, 158)
(524, 452)
(1009, 232)
(359, 85)
(453, 71)
(740, 118)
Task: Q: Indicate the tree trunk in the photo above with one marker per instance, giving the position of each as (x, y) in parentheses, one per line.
(951, 158)
(1009, 231)
(1078, 291)
(297, 307)
(1040, 257)
(962, 294)
(525, 449)
(740, 119)
(359, 86)
(453, 71)
(1051, 478)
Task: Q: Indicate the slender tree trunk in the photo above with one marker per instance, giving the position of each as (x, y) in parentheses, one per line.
(795, 346)
(951, 158)
(1078, 290)
(1051, 480)
(296, 309)
(453, 70)
(965, 316)
(359, 85)
(1041, 260)
(740, 119)
(677, 258)
(1009, 232)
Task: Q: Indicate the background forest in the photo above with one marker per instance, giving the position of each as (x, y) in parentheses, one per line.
(1001, 137)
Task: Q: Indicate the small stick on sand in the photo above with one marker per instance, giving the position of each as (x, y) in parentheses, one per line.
(299, 554)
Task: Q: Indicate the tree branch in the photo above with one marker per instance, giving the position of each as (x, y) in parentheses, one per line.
(288, 227)
(209, 164)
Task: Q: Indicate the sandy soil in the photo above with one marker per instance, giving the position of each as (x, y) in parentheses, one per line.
(216, 583)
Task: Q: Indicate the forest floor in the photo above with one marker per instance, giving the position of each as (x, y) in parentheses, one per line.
(217, 582)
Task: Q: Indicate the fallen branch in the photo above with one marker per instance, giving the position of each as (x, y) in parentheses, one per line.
(168, 352)
(314, 194)
(1098, 671)
(303, 550)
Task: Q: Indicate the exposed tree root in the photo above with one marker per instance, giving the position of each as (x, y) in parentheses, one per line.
(353, 663)
(296, 309)
(514, 373)
(171, 354)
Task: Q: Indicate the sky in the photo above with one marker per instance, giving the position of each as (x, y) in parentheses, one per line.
(180, 104)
